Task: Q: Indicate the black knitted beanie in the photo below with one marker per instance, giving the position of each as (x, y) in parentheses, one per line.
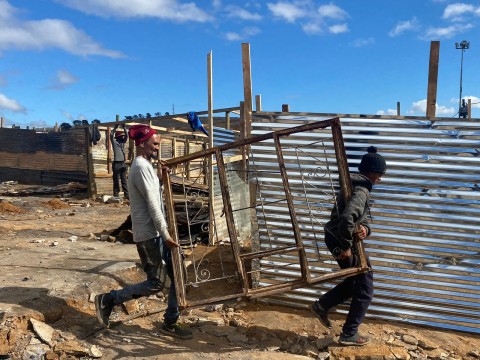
(373, 162)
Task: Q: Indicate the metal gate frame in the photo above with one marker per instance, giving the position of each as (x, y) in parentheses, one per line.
(247, 291)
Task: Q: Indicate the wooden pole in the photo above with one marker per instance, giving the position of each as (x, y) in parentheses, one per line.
(173, 230)
(247, 117)
(469, 109)
(211, 190)
(258, 102)
(398, 108)
(227, 120)
(2, 122)
(433, 78)
(243, 135)
(247, 88)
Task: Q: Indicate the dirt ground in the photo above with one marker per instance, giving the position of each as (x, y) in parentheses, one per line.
(52, 263)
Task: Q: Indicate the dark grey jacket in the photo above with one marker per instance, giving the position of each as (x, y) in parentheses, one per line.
(345, 217)
(117, 146)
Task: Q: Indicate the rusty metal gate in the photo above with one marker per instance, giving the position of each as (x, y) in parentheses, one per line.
(246, 267)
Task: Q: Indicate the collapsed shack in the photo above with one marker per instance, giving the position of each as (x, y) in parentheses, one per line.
(426, 241)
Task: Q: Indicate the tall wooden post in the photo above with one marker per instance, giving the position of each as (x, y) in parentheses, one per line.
(247, 88)
(2, 122)
(469, 109)
(398, 108)
(433, 78)
(247, 118)
(258, 102)
(211, 192)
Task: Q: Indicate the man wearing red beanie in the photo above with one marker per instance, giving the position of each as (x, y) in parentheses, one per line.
(150, 234)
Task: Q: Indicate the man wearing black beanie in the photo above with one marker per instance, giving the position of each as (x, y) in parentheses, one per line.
(349, 222)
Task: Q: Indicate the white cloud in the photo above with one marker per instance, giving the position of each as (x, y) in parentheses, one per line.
(62, 80)
(403, 26)
(457, 10)
(338, 29)
(363, 42)
(246, 33)
(240, 13)
(445, 32)
(11, 105)
(160, 9)
(287, 11)
(312, 28)
(443, 110)
(313, 20)
(46, 34)
(233, 36)
(420, 107)
(388, 112)
(332, 11)
(7, 11)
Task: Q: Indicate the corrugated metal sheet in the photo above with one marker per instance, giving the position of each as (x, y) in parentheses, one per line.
(223, 136)
(425, 245)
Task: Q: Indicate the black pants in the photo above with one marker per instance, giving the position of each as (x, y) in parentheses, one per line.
(156, 261)
(119, 175)
(359, 288)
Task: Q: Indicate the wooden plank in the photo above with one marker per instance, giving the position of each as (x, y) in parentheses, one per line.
(345, 181)
(291, 208)
(247, 88)
(211, 197)
(433, 78)
(258, 102)
(172, 229)
(227, 207)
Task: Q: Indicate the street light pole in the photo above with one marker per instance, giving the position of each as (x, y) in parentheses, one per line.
(464, 45)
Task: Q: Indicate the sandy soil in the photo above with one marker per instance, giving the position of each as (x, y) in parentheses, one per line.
(52, 264)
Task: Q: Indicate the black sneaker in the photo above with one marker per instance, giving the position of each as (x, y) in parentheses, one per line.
(321, 314)
(175, 330)
(354, 340)
(103, 308)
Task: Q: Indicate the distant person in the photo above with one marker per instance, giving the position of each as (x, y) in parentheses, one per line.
(119, 168)
(349, 222)
(150, 234)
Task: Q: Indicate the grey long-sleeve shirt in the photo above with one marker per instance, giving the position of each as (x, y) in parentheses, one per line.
(345, 217)
(146, 204)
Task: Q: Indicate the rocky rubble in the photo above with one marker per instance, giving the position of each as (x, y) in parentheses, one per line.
(224, 323)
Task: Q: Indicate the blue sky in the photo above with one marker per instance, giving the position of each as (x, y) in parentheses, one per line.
(62, 60)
